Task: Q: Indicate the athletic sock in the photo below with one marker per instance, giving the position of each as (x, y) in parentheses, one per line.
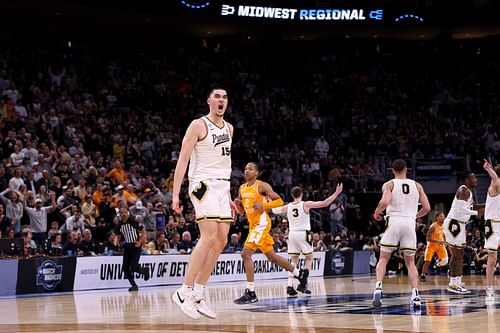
(199, 290)
(290, 279)
(251, 286)
(185, 289)
(378, 285)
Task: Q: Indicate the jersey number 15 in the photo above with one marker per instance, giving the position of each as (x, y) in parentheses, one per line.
(226, 151)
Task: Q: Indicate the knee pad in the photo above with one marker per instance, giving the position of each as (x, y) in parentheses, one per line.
(442, 262)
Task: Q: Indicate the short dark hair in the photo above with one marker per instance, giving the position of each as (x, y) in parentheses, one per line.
(215, 88)
(468, 174)
(255, 165)
(399, 165)
(296, 191)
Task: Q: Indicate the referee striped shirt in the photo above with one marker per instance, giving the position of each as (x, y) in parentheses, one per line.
(130, 230)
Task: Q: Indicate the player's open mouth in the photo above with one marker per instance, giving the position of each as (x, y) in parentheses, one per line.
(221, 107)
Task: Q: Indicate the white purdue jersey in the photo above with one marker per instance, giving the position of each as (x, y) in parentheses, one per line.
(298, 219)
(211, 157)
(404, 199)
(492, 208)
(454, 214)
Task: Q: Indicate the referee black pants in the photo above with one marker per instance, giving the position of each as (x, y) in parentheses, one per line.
(131, 256)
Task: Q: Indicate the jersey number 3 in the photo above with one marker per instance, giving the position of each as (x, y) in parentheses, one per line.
(295, 212)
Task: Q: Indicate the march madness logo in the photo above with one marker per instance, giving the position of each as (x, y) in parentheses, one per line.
(436, 302)
(49, 274)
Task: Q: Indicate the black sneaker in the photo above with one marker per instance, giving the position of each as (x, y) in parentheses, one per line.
(303, 275)
(291, 291)
(146, 274)
(133, 288)
(303, 289)
(422, 278)
(247, 298)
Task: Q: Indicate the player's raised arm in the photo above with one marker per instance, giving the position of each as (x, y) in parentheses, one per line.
(326, 202)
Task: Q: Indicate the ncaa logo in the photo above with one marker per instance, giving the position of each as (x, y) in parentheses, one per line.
(49, 274)
(338, 262)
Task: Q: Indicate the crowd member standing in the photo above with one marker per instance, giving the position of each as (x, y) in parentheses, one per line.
(134, 236)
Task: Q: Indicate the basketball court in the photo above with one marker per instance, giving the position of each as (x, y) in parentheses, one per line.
(336, 305)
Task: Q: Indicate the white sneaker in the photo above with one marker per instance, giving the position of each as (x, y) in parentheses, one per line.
(202, 307)
(377, 298)
(415, 302)
(490, 295)
(186, 303)
(457, 289)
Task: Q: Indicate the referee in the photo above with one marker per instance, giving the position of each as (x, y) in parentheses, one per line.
(134, 235)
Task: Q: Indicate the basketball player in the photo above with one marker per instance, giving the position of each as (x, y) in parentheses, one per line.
(299, 237)
(207, 147)
(435, 244)
(253, 197)
(401, 197)
(454, 231)
(492, 227)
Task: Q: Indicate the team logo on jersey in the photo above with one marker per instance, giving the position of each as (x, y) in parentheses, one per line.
(220, 139)
(488, 229)
(454, 228)
(436, 302)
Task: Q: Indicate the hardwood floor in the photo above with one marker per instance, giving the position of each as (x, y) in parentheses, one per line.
(336, 305)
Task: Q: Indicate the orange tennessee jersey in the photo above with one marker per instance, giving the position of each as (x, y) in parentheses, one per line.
(249, 196)
(438, 233)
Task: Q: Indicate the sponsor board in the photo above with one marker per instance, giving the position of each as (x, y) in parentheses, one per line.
(106, 272)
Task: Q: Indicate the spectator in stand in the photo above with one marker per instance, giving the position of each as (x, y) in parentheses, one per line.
(30, 247)
(160, 245)
(89, 211)
(54, 230)
(279, 245)
(55, 246)
(175, 243)
(186, 245)
(112, 245)
(318, 245)
(87, 245)
(117, 174)
(5, 222)
(71, 246)
(9, 233)
(336, 215)
(13, 208)
(38, 219)
(74, 222)
(234, 245)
